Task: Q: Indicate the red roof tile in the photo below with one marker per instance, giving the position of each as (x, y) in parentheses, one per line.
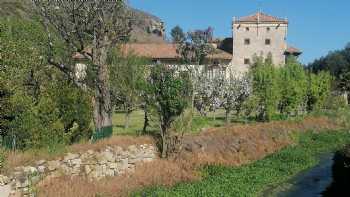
(151, 50)
(260, 17)
(293, 50)
(159, 51)
(165, 51)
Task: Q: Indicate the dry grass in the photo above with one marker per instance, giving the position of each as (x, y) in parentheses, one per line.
(159, 172)
(240, 144)
(232, 145)
(24, 158)
(122, 141)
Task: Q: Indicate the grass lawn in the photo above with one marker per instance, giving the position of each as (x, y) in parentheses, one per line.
(216, 119)
(253, 179)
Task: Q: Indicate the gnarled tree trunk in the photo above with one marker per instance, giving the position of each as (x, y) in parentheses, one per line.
(102, 98)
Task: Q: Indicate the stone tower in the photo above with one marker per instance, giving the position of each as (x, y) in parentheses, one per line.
(258, 35)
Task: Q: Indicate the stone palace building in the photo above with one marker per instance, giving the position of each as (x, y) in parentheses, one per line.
(255, 35)
(259, 35)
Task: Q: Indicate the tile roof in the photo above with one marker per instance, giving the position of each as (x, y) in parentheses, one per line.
(151, 50)
(260, 17)
(166, 51)
(293, 50)
(159, 51)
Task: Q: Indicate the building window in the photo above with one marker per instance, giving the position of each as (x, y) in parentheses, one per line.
(267, 42)
(247, 41)
(247, 28)
(246, 61)
(268, 29)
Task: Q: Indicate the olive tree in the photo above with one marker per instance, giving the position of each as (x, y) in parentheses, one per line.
(169, 94)
(98, 25)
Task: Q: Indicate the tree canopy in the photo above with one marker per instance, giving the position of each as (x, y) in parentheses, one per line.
(338, 64)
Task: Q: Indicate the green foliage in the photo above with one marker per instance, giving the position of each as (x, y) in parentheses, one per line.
(265, 89)
(2, 158)
(177, 35)
(337, 63)
(194, 46)
(335, 102)
(127, 79)
(253, 179)
(169, 92)
(169, 98)
(183, 123)
(293, 84)
(279, 93)
(339, 115)
(40, 109)
(318, 90)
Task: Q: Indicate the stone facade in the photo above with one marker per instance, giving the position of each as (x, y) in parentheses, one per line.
(95, 165)
(258, 35)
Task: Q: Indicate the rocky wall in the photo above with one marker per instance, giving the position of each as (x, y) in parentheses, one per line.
(95, 165)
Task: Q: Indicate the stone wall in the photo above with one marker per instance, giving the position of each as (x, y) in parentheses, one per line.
(95, 165)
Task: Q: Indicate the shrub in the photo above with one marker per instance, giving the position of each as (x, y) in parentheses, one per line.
(170, 97)
(40, 109)
(265, 88)
(335, 102)
(319, 89)
(293, 85)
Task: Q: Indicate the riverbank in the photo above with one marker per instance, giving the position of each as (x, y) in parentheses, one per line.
(232, 145)
(340, 174)
(310, 182)
(253, 179)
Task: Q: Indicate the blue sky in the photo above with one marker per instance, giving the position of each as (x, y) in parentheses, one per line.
(315, 26)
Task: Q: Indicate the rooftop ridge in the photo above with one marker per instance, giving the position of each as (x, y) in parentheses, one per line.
(260, 17)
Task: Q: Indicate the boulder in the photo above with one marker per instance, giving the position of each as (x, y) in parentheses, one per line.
(70, 156)
(41, 169)
(53, 165)
(30, 170)
(40, 162)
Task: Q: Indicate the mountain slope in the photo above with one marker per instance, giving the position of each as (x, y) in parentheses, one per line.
(147, 28)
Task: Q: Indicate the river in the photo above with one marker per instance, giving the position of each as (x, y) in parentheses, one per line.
(309, 183)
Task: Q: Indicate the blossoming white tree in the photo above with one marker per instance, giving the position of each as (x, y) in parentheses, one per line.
(235, 91)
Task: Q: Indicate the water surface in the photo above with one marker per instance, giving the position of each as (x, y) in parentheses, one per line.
(309, 183)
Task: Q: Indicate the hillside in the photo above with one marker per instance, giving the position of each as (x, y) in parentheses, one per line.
(147, 28)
